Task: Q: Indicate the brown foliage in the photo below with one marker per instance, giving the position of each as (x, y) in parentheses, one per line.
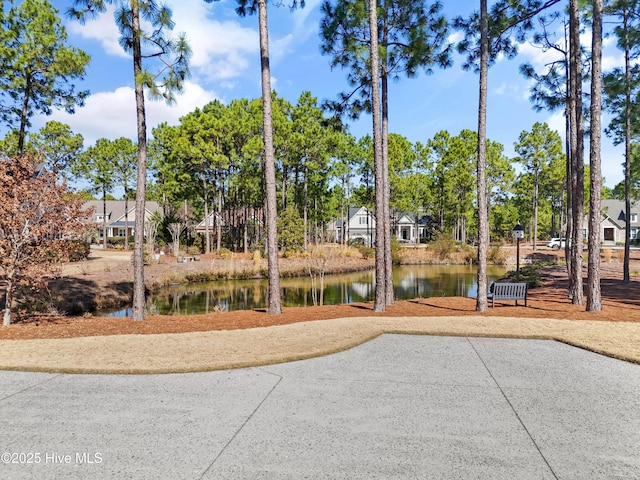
(35, 212)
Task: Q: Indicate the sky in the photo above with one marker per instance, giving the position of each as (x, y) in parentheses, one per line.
(226, 65)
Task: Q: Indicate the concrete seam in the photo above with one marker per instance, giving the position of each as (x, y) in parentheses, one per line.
(2, 399)
(249, 417)
(504, 395)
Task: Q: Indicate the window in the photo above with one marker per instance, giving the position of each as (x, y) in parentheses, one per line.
(634, 218)
(633, 234)
(363, 220)
(121, 232)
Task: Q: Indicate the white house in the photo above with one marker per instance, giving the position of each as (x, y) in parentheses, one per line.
(360, 226)
(118, 219)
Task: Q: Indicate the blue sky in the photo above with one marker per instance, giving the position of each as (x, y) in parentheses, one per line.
(225, 65)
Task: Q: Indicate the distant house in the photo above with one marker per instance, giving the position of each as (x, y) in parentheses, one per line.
(613, 225)
(118, 221)
(242, 227)
(233, 217)
(360, 226)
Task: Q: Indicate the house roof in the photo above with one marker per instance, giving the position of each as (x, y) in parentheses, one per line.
(400, 217)
(115, 209)
(615, 210)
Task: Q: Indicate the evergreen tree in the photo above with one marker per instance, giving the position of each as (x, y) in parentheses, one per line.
(145, 46)
(39, 68)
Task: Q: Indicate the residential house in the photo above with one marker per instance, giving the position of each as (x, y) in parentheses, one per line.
(613, 225)
(118, 220)
(242, 225)
(360, 227)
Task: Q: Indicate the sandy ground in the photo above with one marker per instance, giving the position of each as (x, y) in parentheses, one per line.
(245, 338)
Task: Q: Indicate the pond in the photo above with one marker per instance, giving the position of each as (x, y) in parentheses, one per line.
(410, 281)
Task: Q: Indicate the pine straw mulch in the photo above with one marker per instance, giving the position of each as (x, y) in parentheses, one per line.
(248, 338)
(621, 303)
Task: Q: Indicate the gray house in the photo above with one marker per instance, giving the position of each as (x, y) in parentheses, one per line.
(612, 225)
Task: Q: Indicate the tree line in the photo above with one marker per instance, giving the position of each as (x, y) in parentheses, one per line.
(211, 162)
(373, 43)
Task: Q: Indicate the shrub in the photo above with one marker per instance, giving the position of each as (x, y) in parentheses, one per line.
(443, 246)
(224, 253)
(68, 250)
(366, 252)
(496, 255)
(529, 274)
(395, 251)
(290, 230)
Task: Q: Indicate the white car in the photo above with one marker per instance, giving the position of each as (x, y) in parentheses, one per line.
(557, 243)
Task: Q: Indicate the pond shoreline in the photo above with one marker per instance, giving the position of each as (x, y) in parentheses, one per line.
(410, 282)
(105, 281)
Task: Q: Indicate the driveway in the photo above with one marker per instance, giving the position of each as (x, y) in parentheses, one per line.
(399, 406)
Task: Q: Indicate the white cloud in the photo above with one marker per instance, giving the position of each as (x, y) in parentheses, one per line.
(455, 37)
(539, 58)
(102, 29)
(221, 50)
(518, 90)
(112, 114)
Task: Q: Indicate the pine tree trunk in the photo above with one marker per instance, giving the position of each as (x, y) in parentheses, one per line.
(138, 244)
(381, 278)
(388, 260)
(274, 300)
(104, 219)
(577, 155)
(22, 131)
(483, 221)
(219, 223)
(568, 233)
(536, 187)
(305, 218)
(594, 300)
(627, 151)
(207, 227)
(126, 219)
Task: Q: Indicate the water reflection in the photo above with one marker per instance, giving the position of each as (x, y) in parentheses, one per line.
(415, 281)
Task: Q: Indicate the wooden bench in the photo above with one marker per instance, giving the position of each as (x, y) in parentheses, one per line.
(507, 291)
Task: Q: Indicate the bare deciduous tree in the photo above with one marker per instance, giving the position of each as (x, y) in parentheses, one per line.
(34, 212)
(176, 229)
